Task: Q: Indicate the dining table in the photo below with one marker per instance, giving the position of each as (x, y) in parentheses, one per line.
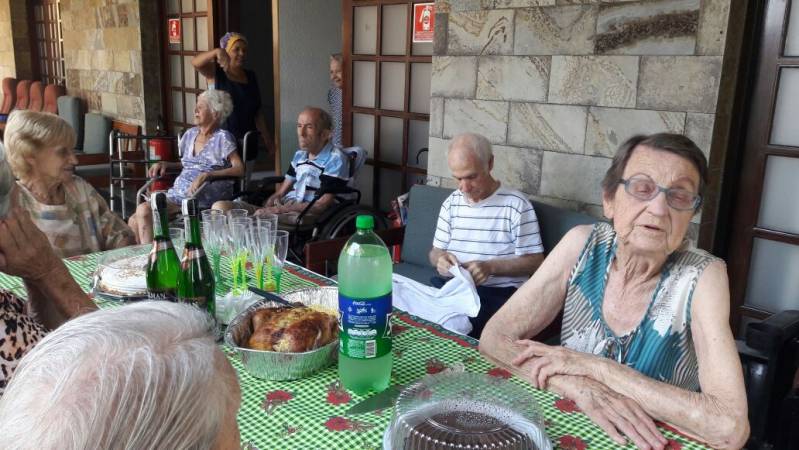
(310, 413)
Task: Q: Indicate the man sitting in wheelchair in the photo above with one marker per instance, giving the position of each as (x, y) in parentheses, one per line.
(208, 153)
(316, 165)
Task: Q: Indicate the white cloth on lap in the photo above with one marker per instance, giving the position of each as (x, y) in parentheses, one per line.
(451, 306)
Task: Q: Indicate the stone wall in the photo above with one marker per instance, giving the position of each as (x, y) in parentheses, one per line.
(556, 86)
(103, 57)
(15, 56)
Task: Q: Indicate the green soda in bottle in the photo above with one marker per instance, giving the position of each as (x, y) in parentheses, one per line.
(364, 302)
(196, 281)
(163, 265)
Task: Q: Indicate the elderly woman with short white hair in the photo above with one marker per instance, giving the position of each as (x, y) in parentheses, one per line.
(73, 215)
(53, 296)
(141, 376)
(208, 154)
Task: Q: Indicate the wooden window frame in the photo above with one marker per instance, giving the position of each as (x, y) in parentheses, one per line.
(47, 67)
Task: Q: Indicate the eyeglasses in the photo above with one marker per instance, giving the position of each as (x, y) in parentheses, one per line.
(644, 188)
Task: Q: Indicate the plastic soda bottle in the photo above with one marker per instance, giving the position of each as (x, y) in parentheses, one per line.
(364, 302)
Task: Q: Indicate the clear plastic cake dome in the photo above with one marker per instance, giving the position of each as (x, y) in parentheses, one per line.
(466, 411)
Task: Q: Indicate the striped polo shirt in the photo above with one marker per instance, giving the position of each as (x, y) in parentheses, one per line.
(503, 225)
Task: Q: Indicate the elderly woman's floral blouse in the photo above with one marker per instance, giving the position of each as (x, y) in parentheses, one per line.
(215, 155)
(18, 334)
(83, 224)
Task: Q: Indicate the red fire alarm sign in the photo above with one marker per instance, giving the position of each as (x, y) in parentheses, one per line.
(174, 30)
(423, 22)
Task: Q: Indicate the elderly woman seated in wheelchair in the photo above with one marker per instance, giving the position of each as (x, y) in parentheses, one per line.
(209, 163)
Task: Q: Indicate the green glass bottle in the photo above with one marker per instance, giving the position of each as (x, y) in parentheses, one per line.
(196, 282)
(163, 266)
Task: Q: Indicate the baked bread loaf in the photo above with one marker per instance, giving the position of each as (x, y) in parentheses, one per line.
(292, 330)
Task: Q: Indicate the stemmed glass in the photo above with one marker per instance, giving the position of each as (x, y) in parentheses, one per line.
(280, 249)
(214, 237)
(270, 220)
(259, 243)
(237, 250)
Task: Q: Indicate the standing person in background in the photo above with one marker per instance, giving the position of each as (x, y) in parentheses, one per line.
(223, 67)
(335, 97)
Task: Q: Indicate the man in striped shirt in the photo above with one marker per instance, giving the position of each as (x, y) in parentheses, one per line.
(489, 230)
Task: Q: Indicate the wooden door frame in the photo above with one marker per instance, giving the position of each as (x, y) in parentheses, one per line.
(754, 156)
(406, 115)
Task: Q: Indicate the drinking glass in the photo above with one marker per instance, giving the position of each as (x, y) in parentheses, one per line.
(237, 241)
(236, 213)
(280, 249)
(259, 244)
(214, 236)
(270, 220)
(177, 235)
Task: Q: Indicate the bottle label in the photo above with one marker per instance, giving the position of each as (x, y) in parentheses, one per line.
(168, 296)
(364, 326)
(191, 254)
(159, 246)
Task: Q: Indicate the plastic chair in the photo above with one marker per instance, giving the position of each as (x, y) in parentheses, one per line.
(23, 94)
(51, 94)
(71, 110)
(36, 101)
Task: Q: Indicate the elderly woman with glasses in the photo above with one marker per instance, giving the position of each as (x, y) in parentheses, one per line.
(208, 153)
(645, 334)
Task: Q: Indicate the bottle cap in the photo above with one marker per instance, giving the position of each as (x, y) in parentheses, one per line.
(364, 222)
(158, 200)
(189, 207)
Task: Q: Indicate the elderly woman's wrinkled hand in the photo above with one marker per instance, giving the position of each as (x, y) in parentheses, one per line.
(542, 361)
(617, 414)
(198, 182)
(24, 250)
(157, 170)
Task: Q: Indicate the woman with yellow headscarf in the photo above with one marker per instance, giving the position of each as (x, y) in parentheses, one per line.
(223, 67)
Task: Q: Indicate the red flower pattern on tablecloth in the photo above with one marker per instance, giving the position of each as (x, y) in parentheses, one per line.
(397, 329)
(339, 423)
(571, 443)
(499, 373)
(673, 444)
(336, 394)
(565, 405)
(288, 430)
(274, 399)
(434, 365)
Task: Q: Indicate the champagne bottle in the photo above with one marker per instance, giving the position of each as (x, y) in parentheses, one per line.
(163, 266)
(196, 282)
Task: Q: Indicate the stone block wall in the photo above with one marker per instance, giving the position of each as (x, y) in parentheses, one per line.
(103, 57)
(15, 56)
(558, 85)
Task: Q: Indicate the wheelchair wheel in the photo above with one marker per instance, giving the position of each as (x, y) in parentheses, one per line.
(343, 222)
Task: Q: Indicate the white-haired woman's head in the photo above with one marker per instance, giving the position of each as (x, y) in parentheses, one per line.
(30, 132)
(146, 375)
(219, 103)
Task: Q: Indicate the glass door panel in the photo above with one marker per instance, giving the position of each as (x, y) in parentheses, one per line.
(364, 33)
(780, 187)
(418, 135)
(363, 132)
(420, 88)
(395, 29)
(792, 38)
(363, 84)
(773, 284)
(391, 140)
(188, 34)
(785, 130)
(202, 32)
(390, 187)
(392, 86)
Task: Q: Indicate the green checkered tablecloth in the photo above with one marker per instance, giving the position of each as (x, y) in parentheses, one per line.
(309, 413)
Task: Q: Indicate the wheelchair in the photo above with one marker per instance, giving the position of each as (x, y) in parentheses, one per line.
(337, 221)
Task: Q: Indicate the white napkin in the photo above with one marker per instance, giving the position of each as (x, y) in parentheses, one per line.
(451, 306)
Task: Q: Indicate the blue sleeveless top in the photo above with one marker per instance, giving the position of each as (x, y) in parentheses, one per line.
(661, 347)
